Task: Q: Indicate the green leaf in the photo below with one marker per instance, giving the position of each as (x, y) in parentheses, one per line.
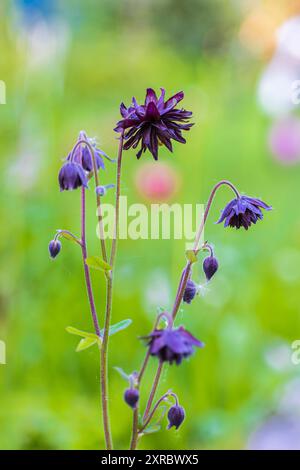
(113, 329)
(191, 256)
(95, 262)
(151, 429)
(85, 343)
(84, 334)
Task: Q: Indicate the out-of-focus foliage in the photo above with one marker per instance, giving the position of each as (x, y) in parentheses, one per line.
(70, 75)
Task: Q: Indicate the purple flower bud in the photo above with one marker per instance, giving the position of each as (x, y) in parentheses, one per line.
(71, 176)
(54, 248)
(131, 397)
(176, 415)
(102, 190)
(210, 266)
(190, 291)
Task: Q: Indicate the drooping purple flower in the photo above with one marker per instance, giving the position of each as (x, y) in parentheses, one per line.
(87, 162)
(83, 155)
(154, 123)
(190, 291)
(54, 248)
(131, 397)
(242, 212)
(172, 344)
(210, 266)
(176, 416)
(71, 176)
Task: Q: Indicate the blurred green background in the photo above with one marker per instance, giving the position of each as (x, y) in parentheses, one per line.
(67, 66)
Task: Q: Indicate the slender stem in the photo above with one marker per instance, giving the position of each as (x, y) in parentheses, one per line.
(61, 233)
(117, 208)
(104, 347)
(153, 390)
(86, 268)
(182, 286)
(135, 434)
(208, 206)
(99, 210)
(144, 365)
(208, 247)
(103, 369)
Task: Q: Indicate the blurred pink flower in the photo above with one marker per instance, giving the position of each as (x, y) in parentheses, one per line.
(157, 182)
(284, 140)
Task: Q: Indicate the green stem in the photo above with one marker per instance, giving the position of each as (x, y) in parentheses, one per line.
(153, 390)
(108, 310)
(135, 434)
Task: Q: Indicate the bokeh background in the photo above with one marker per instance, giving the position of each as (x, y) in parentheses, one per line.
(67, 65)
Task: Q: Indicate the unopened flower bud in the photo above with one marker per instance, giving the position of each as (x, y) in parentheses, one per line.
(54, 248)
(210, 266)
(176, 416)
(102, 190)
(190, 291)
(131, 397)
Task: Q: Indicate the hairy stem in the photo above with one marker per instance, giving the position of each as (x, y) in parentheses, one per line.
(135, 434)
(153, 391)
(103, 368)
(85, 266)
(108, 310)
(117, 208)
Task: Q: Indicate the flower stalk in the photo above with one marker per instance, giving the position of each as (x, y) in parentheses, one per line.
(108, 310)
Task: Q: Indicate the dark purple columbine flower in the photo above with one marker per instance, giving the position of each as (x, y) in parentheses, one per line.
(87, 162)
(83, 154)
(71, 176)
(131, 397)
(176, 416)
(242, 212)
(190, 291)
(156, 122)
(54, 248)
(172, 344)
(210, 266)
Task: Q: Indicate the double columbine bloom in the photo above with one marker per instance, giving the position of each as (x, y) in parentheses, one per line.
(79, 164)
(172, 344)
(242, 212)
(156, 122)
